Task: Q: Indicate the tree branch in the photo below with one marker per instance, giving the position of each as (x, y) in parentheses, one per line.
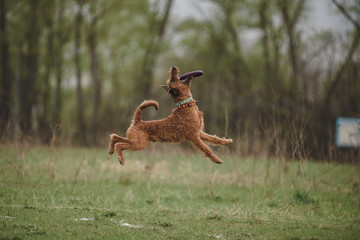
(347, 15)
(348, 59)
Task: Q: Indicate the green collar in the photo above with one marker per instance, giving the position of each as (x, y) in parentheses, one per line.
(184, 101)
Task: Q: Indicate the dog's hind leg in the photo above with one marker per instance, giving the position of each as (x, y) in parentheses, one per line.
(214, 140)
(119, 147)
(134, 143)
(114, 138)
(206, 150)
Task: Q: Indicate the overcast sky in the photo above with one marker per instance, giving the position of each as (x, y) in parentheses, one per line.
(322, 14)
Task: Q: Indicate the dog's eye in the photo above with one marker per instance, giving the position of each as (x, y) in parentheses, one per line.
(174, 91)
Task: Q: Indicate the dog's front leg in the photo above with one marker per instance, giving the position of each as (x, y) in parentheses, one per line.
(206, 150)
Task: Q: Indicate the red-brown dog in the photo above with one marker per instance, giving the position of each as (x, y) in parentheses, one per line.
(185, 123)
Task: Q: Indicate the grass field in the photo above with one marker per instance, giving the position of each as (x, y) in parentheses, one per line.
(79, 193)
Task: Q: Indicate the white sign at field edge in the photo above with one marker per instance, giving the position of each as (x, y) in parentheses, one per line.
(347, 132)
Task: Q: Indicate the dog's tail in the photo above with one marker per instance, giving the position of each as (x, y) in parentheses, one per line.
(144, 104)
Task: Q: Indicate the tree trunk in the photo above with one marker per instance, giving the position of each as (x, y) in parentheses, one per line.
(290, 15)
(81, 129)
(152, 51)
(353, 49)
(44, 117)
(238, 67)
(28, 91)
(58, 93)
(337, 79)
(265, 40)
(94, 66)
(16, 107)
(5, 81)
(58, 61)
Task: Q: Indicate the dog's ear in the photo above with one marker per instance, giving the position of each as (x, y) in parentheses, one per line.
(165, 87)
(174, 74)
(187, 81)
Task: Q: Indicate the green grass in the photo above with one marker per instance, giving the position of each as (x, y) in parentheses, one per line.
(78, 193)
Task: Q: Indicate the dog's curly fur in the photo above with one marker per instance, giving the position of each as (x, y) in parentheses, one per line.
(182, 124)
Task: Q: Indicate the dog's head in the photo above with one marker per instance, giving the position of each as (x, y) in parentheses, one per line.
(178, 90)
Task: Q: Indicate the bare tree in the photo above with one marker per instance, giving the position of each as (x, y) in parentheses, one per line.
(94, 72)
(158, 22)
(45, 88)
(81, 127)
(349, 56)
(62, 36)
(264, 22)
(28, 91)
(5, 80)
(291, 12)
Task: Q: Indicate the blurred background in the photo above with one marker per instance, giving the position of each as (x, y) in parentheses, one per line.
(278, 73)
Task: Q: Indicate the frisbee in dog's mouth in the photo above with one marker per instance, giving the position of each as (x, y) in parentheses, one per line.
(196, 73)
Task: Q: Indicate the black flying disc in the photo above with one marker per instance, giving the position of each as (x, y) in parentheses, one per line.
(196, 73)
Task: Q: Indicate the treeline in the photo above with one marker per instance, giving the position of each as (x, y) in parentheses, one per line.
(75, 70)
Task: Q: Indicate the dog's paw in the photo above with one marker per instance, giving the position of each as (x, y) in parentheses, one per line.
(215, 159)
(228, 141)
(120, 161)
(111, 151)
